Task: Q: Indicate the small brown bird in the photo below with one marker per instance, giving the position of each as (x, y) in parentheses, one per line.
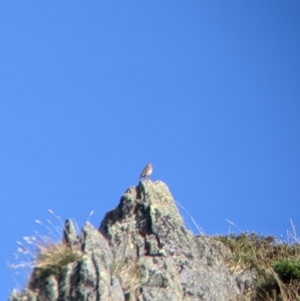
(147, 171)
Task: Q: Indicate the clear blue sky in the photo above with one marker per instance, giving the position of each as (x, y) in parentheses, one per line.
(91, 91)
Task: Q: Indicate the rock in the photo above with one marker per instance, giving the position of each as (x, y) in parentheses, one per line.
(141, 252)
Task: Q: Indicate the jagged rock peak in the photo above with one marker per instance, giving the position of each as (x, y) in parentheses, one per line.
(141, 252)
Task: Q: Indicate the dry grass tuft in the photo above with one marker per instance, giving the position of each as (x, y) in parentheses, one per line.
(51, 258)
(128, 272)
(125, 267)
(45, 253)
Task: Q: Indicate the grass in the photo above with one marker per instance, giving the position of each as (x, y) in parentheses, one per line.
(126, 269)
(128, 272)
(45, 254)
(183, 212)
(275, 264)
(51, 258)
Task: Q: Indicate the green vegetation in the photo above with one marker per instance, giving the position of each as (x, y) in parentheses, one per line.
(276, 265)
(288, 270)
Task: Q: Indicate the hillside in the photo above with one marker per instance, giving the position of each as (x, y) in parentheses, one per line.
(142, 251)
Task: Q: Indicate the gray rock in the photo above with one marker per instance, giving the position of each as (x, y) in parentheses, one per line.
(141, 252)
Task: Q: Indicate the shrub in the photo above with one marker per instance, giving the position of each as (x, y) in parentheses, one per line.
(287, 270)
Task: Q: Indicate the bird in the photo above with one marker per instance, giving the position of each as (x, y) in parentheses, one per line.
(147, 171)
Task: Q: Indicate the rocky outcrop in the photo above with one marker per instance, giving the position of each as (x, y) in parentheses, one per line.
(141, 252)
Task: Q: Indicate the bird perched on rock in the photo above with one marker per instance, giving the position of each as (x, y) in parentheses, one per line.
(147, 171)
